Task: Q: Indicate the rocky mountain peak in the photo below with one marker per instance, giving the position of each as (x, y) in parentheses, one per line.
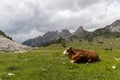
(65, 32)
(50, 35)
(79, 33)
(116, 23)
(42, 40)
(114, 27)
(80, 29)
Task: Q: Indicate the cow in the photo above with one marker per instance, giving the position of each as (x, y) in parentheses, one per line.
(81, 56)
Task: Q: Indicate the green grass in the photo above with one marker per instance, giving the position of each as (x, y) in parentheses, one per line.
(48, 63)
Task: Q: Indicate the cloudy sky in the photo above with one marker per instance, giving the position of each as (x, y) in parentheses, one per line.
(25, 19)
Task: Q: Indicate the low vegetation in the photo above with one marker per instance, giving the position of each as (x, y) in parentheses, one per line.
(48, 63)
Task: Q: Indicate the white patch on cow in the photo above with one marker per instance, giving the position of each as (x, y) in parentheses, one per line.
(65, 52)
(72, 61)
(81, 55)
(68, 47)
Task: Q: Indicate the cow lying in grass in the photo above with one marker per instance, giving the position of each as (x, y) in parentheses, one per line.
(81, 56)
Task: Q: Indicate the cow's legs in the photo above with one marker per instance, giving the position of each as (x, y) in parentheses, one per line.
(74, 59)
(90, 60)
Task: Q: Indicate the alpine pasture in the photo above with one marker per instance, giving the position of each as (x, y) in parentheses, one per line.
(49, 63)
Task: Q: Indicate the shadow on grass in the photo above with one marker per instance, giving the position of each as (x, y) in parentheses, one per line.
(13, 68)
(82, 62)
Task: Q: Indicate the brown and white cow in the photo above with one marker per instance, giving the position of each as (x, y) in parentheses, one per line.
(81, 56)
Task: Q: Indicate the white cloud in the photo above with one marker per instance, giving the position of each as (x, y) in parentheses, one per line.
(24, 19)
(28, 35)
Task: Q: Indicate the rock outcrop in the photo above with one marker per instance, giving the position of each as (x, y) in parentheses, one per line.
(7, 44)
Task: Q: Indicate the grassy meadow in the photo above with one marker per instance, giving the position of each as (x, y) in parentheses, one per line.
(48, 63)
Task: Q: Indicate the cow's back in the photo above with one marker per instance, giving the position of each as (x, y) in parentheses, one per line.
(90, 54)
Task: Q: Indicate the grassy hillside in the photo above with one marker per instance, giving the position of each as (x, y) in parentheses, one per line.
(48, 63)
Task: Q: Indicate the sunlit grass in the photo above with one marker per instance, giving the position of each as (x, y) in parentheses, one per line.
(48, 63)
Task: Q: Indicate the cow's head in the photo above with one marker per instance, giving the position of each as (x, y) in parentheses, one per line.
(67, 51)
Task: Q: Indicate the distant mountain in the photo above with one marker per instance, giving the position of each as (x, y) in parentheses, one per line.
(47, 38)
(80, 33)
(65, 34)
(43, 40)
(55, 36)
(109, 31)
(114, 27)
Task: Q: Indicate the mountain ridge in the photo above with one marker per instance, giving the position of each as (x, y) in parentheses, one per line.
(112, 30)
(55, 36)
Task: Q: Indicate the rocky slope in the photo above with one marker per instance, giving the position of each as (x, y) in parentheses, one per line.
(7, 44)
(109, 31)
(114, 27)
